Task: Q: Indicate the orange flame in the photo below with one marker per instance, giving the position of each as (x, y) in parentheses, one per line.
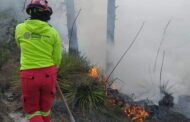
(93, 72)
(135, 113)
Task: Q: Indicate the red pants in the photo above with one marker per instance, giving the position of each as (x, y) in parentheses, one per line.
(38, 92)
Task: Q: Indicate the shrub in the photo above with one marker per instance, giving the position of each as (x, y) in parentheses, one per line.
(83, 92)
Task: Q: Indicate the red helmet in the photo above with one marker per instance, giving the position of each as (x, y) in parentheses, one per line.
(42, 5)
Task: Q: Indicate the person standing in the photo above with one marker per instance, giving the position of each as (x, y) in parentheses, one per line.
(41, 55)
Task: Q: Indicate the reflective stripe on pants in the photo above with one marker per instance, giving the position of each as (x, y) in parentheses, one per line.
(38, 113)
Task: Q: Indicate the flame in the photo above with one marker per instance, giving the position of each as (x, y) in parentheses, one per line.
(93, 72)
(135, 113)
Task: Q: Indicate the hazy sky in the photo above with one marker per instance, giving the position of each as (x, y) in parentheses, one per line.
(136, 69)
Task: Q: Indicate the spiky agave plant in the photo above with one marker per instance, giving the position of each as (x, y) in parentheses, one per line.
(167, 99)
(83, 92)
(85, 95)
(68, 89)
(71, 64)
(90, 97)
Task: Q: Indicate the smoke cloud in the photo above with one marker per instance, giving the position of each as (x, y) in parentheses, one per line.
(136, 69)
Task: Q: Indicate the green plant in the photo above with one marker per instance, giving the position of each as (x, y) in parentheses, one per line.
(82, 91)
(90, 97)
(68, 89)
(85, 95)
(72, 64)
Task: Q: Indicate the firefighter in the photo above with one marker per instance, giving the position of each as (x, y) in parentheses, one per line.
(40, 47)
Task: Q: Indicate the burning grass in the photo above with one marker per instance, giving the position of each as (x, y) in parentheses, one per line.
(135, 113)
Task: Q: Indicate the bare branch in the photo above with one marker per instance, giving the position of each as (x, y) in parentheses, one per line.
(161, 70)
(161, 42)
(135, 38)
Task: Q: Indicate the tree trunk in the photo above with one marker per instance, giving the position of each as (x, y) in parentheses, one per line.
(72, 29)
(110, 34)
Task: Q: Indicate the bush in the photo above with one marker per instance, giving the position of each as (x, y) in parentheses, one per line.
(83, 92)
(85, 95)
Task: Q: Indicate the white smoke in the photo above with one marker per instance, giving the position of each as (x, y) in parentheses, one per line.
(136, 69)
